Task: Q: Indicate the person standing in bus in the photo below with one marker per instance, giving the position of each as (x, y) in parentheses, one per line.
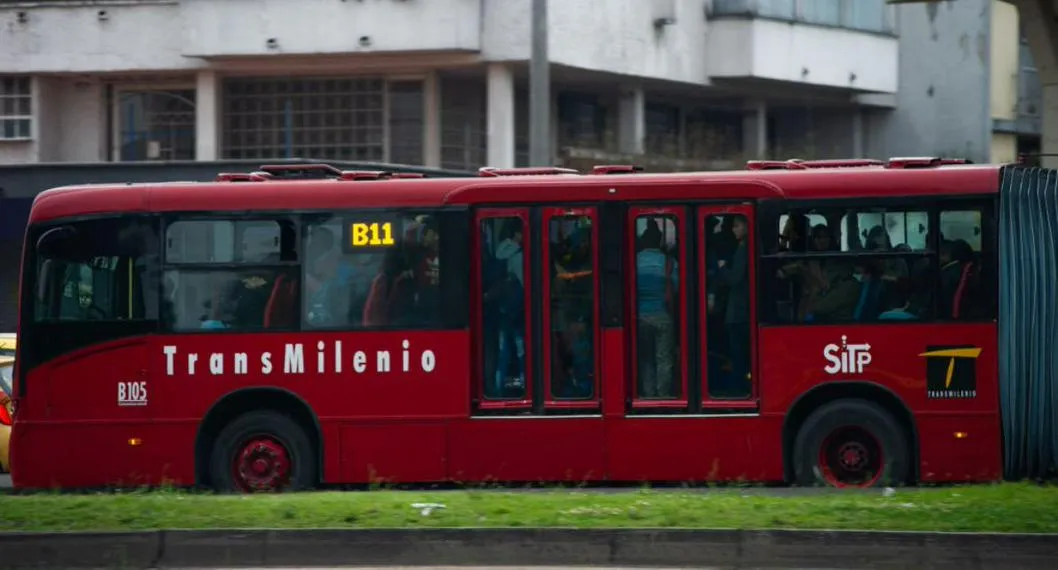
(422, 244)
(320, 277)
(572, 313)
(510, 296)
(656, 285)
(736, 316)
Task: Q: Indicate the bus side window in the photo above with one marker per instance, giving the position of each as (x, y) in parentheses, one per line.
(96, 273)
(372, 271)
(965, 270)
(230, 274)
(860, 264)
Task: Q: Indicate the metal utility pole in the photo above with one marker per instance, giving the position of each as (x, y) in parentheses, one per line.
(539, 90)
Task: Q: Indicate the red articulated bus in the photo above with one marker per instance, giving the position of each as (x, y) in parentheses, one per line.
(829, 322)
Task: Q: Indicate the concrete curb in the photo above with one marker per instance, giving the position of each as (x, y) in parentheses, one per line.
(552, 547)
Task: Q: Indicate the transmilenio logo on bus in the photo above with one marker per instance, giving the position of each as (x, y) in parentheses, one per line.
(951, 372)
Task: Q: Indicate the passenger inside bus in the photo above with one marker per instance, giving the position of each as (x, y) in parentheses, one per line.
(572, 300)
(325, 299)
(958, 279)
(657, 296)
(391, 298)
(423, 247)
(730, 284)
(891, 269)
(901, 296)
(828, 291)
(504, 303)
(719, 246)
(902, 285)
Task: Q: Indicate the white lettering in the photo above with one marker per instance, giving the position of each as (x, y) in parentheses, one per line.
(294, 359)
(382, 361)
(293, 355)
(132, 394)
(830, 353)
(846, 358)
(170, 364)
(216, 363)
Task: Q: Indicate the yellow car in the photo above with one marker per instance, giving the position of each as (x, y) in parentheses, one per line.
(7, 365)
(8, 343)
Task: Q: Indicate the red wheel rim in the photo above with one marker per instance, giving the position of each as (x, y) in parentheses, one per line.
(261, 464)
(851, 457)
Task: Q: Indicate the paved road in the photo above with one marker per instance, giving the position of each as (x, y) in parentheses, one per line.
(508, 568)
(497, 567)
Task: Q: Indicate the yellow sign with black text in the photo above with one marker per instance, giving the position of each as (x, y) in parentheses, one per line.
(375, 234)
(372, 232)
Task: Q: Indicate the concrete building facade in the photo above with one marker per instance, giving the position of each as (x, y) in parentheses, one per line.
(969, 86)
(440, 83)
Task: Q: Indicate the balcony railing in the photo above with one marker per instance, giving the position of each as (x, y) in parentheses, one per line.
(864, 15)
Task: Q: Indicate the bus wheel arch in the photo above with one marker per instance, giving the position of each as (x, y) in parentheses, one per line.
(869, 392)
(238, 403)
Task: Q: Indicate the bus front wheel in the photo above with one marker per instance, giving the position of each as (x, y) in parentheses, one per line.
(262, 452)
(850, 443)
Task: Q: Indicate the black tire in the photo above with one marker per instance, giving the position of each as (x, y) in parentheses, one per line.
(303, 464)
(858, 424)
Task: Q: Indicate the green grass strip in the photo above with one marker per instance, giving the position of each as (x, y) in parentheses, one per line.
(990, 508)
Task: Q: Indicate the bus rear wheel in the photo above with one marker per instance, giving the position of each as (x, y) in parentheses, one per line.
(262, 452)
(850, 443)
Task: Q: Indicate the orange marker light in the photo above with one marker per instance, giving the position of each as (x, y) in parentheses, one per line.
(134, 441)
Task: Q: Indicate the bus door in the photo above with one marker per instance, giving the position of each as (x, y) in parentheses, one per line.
(647, 433)
(690, 309)
(657, 312)
(535, 404)
(726, 332)
(688, 315)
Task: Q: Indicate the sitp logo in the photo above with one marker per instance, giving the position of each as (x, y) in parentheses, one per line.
(846, 358)
(951, 372)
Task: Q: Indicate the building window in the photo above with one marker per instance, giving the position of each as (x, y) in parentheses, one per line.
(364, 119)
(155, 125)
(406, 120)
(16, 107)
(663, 128)
(464, 124)
(583, 119)
(865, 15)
